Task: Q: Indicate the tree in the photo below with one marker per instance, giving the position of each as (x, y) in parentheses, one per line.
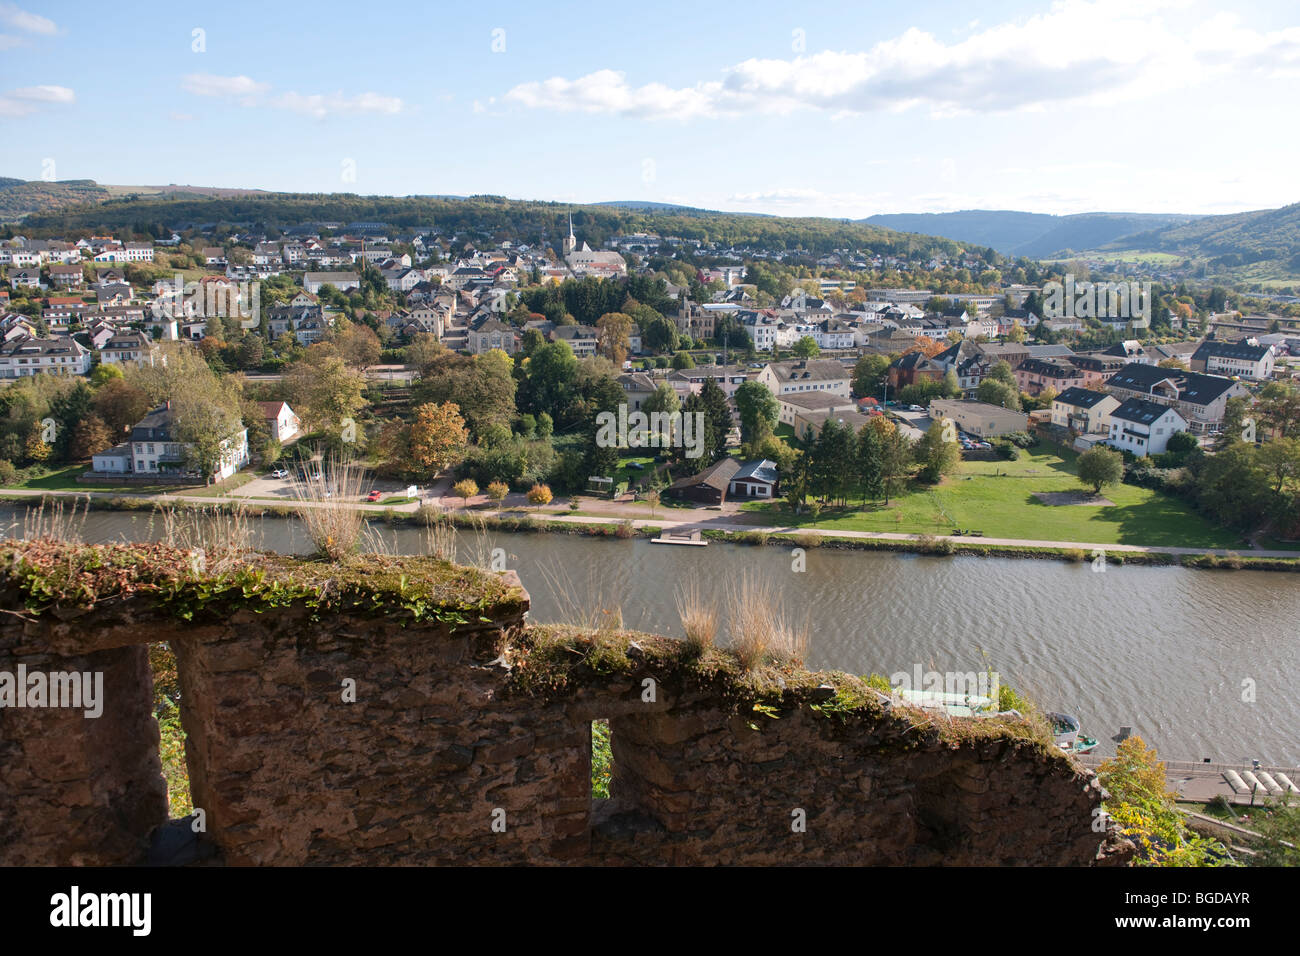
(806, 347)
(438, 436)
(868, 375)
(936, 454)
(758, 409)
(711, 402)
(999, 393)
(89, 436)
(539, 495)
(612, 336)
(870, 464)
(1100, 466)
(683, 360)
(497, 490)
(465, 489)
(323, 390)
(1280, 459)
(483, 388)
(1279, 409)
(659, 335)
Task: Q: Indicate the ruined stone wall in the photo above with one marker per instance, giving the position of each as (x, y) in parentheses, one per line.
(468, 741)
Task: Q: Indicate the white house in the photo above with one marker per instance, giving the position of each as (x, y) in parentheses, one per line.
(282, 423)
(155, 450)
(32, 356)
(1143, 427)
(1084, 411)
(343, 281)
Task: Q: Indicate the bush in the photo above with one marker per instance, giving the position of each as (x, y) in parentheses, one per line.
(1021, 439)
(1007, 451)
(8, 473)
(539, 495)
(1075, 554)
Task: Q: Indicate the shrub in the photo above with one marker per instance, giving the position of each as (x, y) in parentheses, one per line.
(539, 495)
(1007, 451)
(497, 490)
(1075, 554)
(8, 473)
(1021, 439)
(808, 539)
(625, 529)
(465, 489)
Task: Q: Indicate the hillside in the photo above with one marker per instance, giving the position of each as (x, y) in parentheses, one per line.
(492, 217)
(20, 198)
(1261, 244)
(1025, 233)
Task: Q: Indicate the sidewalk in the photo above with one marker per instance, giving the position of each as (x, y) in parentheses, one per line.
(716, 522)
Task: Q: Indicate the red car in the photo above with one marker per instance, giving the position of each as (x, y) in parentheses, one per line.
(374, 496)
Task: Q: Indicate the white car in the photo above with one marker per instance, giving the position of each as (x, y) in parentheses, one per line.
(279, 473)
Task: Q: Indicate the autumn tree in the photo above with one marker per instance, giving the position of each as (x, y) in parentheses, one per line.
(438, 436)
(612, 334)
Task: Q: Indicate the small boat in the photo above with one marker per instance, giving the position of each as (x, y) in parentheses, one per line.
(1065, 728)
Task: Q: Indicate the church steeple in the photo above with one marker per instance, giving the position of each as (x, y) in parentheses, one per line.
(570, 241)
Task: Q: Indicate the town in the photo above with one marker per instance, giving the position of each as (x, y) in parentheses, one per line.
(207, 355)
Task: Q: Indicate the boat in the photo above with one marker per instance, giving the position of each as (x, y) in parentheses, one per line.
(1065, 728)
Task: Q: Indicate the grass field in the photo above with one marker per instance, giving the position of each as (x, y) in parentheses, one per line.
(65, 479)
(997, 498)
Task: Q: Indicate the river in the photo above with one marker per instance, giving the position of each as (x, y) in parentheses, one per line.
(1198, 663)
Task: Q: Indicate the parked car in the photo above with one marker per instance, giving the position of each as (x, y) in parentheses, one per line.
(915, 408)
(374, 495)
(279, 473)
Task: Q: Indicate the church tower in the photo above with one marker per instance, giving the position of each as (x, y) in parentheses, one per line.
(570, 241)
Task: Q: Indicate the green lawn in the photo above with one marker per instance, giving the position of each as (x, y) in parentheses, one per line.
(997, 498)
(65, 479)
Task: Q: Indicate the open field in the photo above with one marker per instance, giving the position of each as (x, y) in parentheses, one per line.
(998, 499)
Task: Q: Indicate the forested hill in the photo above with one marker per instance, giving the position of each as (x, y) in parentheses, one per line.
(1267, 239)
(491, 217)
(1027, 233)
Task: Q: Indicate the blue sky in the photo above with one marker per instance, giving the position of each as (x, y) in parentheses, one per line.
(842, 110)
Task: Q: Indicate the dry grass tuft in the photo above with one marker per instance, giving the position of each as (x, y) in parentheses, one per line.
(760, 629)
(334, 523)
(53, 521)
(699, 617)
(217, 538)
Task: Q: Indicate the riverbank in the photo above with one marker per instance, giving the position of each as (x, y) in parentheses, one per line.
(714, 527)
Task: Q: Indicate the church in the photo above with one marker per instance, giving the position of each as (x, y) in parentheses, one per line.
(585, 262)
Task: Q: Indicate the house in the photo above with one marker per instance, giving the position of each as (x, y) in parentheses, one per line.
(1200, 399)
(637, 387)
(1084, 411)
(66, 277)
(25, 278)
(1036, 375)
(755, 479)
(797, 404)
(214, 256)
(156, 451)
(1143, 427)
(1245, 359)
(281, 421)
(808, 375)
(581, 339)
(492, 333)
(343, 281)
(709, 487)
(63, 355)
(979, 418)
(133, 348)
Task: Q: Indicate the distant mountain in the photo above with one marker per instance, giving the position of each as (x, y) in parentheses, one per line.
(20, 198)
(1262, 244)
(1027, 233)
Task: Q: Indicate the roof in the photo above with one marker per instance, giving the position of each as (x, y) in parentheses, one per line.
(156, 426)
(1080, 397)
(763, 470)
(1141, 411)
(1232, 350)
(272, 409)
(816, 401)
(718, 475)
(814, 369)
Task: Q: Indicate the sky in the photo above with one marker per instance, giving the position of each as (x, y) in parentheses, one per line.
(841, 109)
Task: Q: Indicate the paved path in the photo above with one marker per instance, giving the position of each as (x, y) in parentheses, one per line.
(671, 520)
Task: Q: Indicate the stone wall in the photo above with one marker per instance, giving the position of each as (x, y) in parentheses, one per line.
(407, 716)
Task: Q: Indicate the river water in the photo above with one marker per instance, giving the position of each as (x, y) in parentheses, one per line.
(1199, 663)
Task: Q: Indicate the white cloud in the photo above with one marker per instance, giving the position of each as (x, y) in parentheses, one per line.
(29, 99)
(13, 16)
(209, 84)
(1078, 51)
(252, 93)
